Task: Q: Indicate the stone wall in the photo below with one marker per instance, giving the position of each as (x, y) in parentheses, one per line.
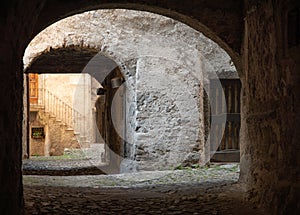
(57, 136)
(221, 22)
(125, 34)
(168, 115)
(37, 145)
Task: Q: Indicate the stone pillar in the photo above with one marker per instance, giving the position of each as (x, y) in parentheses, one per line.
(11, 112)
(169, 119)
(16, 21)
(270, 108)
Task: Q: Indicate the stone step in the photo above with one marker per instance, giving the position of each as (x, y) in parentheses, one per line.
(36, 107)
(226, 156)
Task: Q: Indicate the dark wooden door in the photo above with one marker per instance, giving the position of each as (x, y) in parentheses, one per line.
(228, 149)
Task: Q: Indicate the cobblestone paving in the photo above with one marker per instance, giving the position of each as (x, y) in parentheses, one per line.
(73, 162)
(72, 158)
(190, 191)
(216, 173)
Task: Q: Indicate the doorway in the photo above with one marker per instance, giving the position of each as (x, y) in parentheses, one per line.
(229, 144)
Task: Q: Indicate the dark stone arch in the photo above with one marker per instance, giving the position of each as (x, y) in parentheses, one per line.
(71, 59)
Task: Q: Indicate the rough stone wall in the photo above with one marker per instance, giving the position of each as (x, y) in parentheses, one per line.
(270, 108)
(137, 37)
(57, 136)
(219, 21)
(37, 145)
(168, 115)
(124, 35)
(11, 98)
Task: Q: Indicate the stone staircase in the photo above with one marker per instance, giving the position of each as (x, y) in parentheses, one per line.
(63, 123)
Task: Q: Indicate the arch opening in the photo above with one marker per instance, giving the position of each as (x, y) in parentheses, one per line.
(49, 55)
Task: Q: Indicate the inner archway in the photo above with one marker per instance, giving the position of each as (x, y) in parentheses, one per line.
(65, 108)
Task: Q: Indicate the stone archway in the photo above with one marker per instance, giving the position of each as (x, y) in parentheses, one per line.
(255, 20)
(122, 37)
(68, 74)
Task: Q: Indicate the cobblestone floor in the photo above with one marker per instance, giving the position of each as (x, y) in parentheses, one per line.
(73, 162)
(211, 190)
(216, 173)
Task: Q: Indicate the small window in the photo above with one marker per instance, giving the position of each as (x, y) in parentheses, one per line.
(37, 132)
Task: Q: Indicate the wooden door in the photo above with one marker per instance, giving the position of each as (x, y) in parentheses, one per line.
(232, 88)
(33, 88)
(228, 150)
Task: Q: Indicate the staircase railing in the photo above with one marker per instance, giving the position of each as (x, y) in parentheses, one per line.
(60, 109)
